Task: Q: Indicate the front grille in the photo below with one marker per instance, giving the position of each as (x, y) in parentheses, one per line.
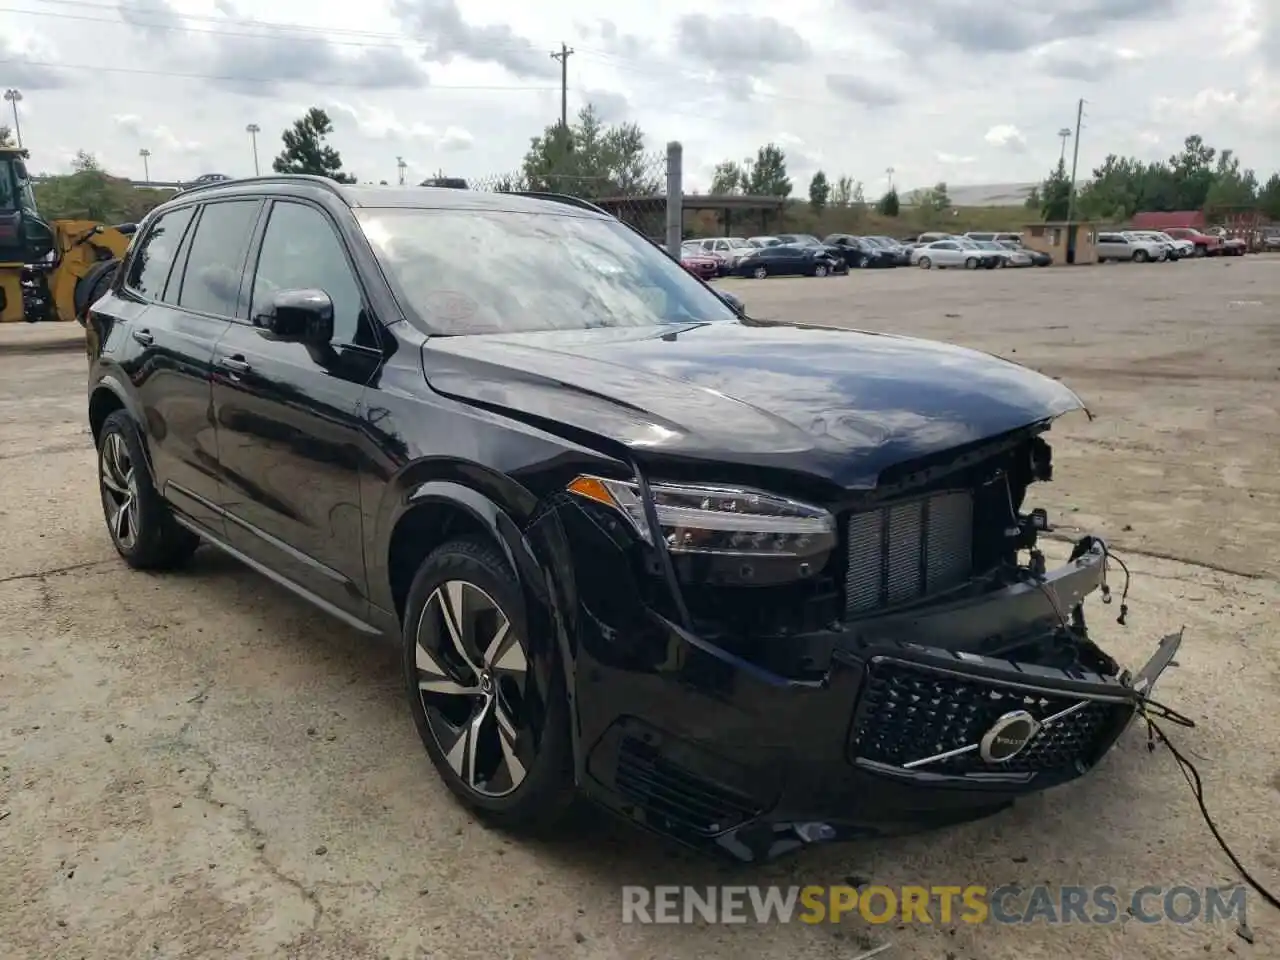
(906, 550)
(909, 713)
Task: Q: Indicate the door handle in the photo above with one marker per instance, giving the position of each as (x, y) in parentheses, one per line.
(235, 364)
(144, 337)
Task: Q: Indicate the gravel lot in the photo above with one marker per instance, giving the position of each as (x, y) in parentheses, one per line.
(199, 765)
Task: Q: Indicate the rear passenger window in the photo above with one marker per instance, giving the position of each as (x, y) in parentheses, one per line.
(211, 283)
(149, 268)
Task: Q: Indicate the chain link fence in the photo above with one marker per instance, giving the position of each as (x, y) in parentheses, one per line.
(644, 190)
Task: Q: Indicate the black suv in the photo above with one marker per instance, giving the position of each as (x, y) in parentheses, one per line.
(749, 585)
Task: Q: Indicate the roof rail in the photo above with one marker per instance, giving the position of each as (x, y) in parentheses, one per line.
(266, 178)
(564, 198)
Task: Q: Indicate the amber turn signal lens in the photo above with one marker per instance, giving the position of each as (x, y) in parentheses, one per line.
(593, 489)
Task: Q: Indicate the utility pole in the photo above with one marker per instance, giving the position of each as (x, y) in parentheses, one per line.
(1075, 159)
(563, 56)
(888, 171)
(144, 153)
(15, 97)
(401, 166)
(253, 130)
(1064, 135)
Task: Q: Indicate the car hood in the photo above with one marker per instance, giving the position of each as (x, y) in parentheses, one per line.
(834, 405)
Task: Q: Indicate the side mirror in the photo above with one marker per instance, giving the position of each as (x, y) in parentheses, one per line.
(297, 316)
(732, 302)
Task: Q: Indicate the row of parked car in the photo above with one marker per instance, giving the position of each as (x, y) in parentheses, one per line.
(974, 251)
(802, 254)
(1145, 246)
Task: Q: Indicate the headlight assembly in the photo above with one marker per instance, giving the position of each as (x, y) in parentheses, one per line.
(719, 520)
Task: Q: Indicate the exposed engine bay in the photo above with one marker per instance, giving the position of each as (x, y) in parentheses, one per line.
(949, 558)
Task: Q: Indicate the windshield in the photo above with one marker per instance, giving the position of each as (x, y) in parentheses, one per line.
(988, 245)
(472, 272)
(737, 243)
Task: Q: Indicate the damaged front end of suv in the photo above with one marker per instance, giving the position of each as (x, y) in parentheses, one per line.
(776, 670)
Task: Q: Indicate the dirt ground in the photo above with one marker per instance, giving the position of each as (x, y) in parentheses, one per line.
(199, 765)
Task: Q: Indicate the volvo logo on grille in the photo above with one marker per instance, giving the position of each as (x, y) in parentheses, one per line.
(1008, 737)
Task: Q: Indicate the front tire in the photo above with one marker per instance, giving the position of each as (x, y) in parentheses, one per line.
(971, 263)
(925, 263)
(760, 272)
(140, 523)
(495, 726)
(819, 269)
(1141, 256)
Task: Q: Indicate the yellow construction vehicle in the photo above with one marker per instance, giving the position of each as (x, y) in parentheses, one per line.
(49, 270)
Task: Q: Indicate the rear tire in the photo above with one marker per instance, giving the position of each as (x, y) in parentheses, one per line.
(501, 743)
(971, 263)
(90, 288)
(1141, 256)
(140, 524)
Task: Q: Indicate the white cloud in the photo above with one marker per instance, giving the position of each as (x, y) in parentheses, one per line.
(456, 138)
(155, 137)
(1007, 137)
(955, 90)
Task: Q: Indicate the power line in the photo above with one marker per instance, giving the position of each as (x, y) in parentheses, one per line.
(278, 31)
(563, 56)
(98, 68)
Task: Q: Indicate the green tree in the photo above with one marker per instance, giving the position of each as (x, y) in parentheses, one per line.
(1269, 198)
(769, 173)
(305, 150)
(90, 193)
(591, 160)
(934, 200)
(728, 180)
(889, 205)
(842, 194)
(1033, 199)
(1231, 187)
(6, 137)
(819, 192)
(1193, 173)
(1054, 195)
(859, 198)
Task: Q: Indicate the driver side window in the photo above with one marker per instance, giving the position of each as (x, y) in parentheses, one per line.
(301, 251)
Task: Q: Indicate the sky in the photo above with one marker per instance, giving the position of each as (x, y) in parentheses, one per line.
(961, 91)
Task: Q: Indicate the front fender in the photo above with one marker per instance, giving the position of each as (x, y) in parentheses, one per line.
(534, 545)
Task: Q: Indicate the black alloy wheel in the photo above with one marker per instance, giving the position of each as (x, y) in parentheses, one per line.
(496, 731)
(141, 526)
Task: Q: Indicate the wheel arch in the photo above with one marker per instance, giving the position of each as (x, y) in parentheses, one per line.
(438, 510)
(106, 397)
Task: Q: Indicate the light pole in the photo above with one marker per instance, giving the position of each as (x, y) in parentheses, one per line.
(253, 130)
(888, 172)
(15, 98)
(144, 153)
(1064, 135)
(401, 168)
